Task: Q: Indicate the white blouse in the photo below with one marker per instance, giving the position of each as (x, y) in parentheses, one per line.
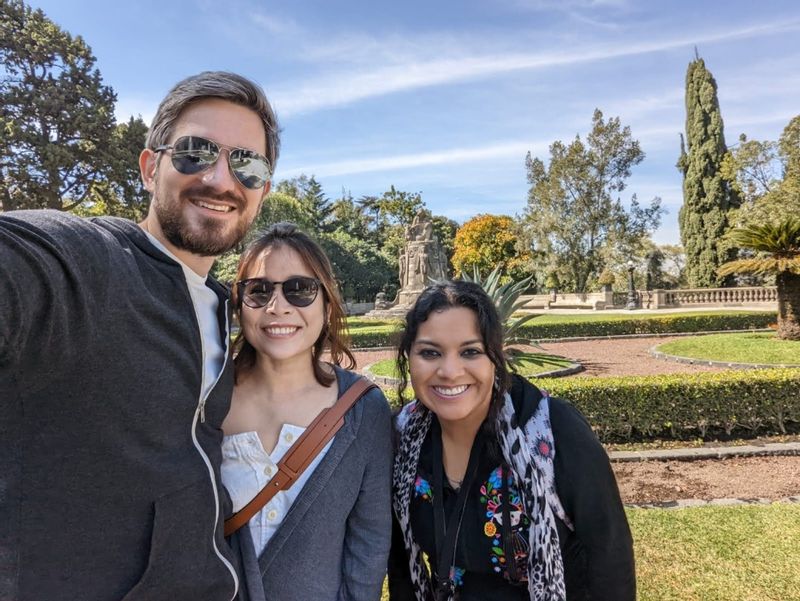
(246, 469)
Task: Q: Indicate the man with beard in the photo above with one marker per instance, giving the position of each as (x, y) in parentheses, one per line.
(114, 369)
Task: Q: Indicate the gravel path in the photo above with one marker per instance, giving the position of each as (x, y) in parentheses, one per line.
(619, 357)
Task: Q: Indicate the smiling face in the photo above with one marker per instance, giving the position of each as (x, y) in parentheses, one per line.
(279, 331)
(209, 212)
(450, 371)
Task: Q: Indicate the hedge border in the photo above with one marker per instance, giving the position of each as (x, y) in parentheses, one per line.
(680, 406)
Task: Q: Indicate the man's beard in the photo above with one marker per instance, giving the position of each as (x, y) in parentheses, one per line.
(207, 238)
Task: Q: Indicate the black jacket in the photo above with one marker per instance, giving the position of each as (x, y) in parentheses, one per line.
(598, 554)
(109, 477)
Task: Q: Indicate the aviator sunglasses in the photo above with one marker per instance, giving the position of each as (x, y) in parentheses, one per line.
(299, 291)
(193, 154)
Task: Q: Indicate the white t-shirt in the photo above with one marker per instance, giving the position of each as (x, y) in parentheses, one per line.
(205, 303)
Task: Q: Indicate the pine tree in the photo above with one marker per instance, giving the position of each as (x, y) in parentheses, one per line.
(707, 195)
(56, 117)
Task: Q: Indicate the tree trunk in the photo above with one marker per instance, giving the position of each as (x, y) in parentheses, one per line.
(788, 305)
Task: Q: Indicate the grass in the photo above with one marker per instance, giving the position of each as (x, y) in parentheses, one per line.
(737, 348)
(387, 368)
(747, 553)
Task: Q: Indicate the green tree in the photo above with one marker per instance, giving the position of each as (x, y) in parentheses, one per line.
(778, 246)
(56, 116)
(360, 269)
(349, 217)
(707, 194)
(121, 192)
(488, 242)
(445, 229)
(575, 218)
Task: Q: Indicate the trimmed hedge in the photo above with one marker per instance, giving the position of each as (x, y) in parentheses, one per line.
(671, 323)
(681, 406)
(384, 333)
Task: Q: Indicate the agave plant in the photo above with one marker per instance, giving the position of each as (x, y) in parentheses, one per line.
(506, 299)
(778, 244)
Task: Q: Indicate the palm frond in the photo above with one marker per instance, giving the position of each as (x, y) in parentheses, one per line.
(782, 236)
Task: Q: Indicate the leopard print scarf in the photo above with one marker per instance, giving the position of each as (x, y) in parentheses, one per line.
(534, 478)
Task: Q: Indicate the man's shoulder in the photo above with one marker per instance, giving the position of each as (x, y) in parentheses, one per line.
(50, 226)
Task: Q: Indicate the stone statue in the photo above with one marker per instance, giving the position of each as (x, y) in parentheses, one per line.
(421, 262)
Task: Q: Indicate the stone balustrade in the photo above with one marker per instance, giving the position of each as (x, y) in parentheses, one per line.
(766, 296)
(721, 297)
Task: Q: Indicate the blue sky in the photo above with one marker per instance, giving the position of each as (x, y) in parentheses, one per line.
(445, 97)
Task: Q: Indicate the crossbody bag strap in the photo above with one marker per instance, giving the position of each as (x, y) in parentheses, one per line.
(301, 453)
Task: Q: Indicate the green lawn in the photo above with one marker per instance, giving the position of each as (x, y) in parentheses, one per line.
(746, 553)
(718, 553)
(387, 369)
(737, 348)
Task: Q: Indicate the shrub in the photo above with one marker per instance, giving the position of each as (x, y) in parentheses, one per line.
(658, 324)
(364, 335)
(709, 404)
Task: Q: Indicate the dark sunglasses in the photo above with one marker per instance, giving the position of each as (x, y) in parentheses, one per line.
(193, 154)
(299, 291)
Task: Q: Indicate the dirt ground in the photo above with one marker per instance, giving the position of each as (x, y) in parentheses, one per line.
(735, 478)
(663, 481)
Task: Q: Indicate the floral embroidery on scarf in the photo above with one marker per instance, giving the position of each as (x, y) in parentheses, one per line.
(492, 499)
(423, 488)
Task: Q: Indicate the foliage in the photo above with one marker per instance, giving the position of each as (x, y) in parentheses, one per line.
(574, 217)
(707, 194)
(624, 325)
(486, 242)
(606, 278)
(445, 230)
(553, 327)
(361, 270)
(121, 192)
(225, 267)
(752, 347)
(56, 116)
(768, 173)
(690, 405)
(778, 243)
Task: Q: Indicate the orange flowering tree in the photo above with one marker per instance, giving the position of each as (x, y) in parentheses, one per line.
(486, 242)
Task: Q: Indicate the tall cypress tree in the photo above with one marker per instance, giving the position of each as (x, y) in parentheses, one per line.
(707, 195)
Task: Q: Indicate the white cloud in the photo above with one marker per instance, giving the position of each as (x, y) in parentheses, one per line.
(513, 149)
(413, 72)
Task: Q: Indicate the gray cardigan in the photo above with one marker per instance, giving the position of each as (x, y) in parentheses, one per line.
(334, 542)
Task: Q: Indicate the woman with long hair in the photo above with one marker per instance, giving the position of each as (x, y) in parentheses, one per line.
(500, 492)
(326, 537)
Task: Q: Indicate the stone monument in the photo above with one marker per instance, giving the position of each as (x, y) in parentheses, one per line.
(422, 261)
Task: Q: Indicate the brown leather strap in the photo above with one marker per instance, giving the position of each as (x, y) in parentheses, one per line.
(301, 453)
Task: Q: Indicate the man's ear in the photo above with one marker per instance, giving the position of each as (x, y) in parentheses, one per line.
(148, 161)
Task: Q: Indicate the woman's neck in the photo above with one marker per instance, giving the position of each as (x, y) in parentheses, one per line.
(279, 380)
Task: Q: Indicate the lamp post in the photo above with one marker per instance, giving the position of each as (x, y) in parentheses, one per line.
(633, 301)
